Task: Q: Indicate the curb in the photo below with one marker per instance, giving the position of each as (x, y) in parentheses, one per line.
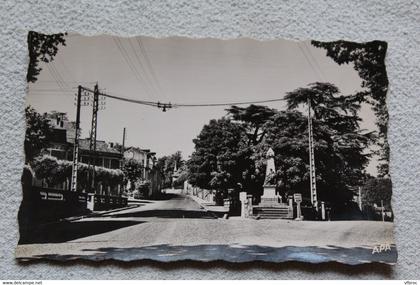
(70, 219)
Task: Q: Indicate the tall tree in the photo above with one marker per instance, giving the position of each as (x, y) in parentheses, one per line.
(42, 48)
(377, 190)
(369, 61)
(340, 144)
(132, 171)
(219, 161)
(167, 164)
(37, 133)
(253, 117)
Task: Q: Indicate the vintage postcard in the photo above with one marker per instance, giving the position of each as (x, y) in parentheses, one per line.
(205, 149)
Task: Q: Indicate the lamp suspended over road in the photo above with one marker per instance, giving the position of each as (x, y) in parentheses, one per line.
(166, 106)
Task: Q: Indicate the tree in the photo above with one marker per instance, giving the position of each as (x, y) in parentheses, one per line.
(132, 170)
(56, 171)
(37, 133)
(220, 159)
(227, 154)
(182, 175)
(42, 48)
(253, 118)
(340, 145)
(369, 61)
(167, 164)
(376, 190)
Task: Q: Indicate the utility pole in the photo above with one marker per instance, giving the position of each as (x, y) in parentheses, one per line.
(76, 141)
(123, 149)
(123, 142)
(94, 125)
(312, 174)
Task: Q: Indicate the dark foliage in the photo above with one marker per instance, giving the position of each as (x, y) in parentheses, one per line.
(229, 153)
(369, 61)
(42, 48)
(37, 133)
(168, 165)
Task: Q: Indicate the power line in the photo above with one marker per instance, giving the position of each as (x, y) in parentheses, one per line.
(228, 103)
(176, 105)
(66, 81)
(143, 69)
(142, 102)
(143, 51)
(57, 72)
(164, 106)
(126, 57)
(51, 90)
(310, 63)
(314, 61)
(55, 77)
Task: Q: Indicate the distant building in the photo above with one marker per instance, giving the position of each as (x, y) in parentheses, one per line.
(61, 143)
(149, 171)
(143, 156)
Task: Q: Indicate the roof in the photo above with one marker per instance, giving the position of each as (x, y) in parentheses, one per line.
(137, 149)
(65, 132)
(101, 146)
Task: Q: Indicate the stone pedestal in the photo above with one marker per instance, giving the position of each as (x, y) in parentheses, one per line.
(269, 197)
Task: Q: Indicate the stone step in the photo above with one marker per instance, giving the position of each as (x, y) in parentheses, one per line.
(273, 212)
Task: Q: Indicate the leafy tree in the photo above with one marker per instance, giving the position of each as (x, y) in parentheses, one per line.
(42, 48)
(340, 145)
(376, 190)
(182, 175)
(369, 61)
(221, 158)
(253, 118)
(143, 187)
(56, 171)
(37, 132)
(167, 164)
(224, 156)
(132, 170)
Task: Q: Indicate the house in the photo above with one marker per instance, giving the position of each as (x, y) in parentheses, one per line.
(149, 170)
(61, 146)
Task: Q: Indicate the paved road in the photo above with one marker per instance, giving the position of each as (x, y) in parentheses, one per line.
(173, 206)
(179, 228)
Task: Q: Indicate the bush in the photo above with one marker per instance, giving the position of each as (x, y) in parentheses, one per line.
(57, 171)
(143, 187)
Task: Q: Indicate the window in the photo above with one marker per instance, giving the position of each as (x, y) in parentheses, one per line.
(59, 154)
(115, 163)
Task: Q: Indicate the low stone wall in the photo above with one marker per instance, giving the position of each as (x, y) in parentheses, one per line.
(97, 202)
(40, 205)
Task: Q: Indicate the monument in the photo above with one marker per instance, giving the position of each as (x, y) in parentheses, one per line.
(270, 196)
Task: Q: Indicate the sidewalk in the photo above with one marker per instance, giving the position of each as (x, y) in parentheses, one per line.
(208, 206)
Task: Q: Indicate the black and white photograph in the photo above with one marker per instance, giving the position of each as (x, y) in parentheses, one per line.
(205, 149)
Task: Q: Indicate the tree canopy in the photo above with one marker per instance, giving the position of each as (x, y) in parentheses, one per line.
(56, 171)
(369, 61)
(132, 171)
(42, 48)
(167, 164)
(232, 150)
(219, 159)
(37, 132)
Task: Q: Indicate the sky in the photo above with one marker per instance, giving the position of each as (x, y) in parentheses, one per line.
(180, 70)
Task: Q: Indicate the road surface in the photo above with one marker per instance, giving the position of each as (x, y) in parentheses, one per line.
(179, 228)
